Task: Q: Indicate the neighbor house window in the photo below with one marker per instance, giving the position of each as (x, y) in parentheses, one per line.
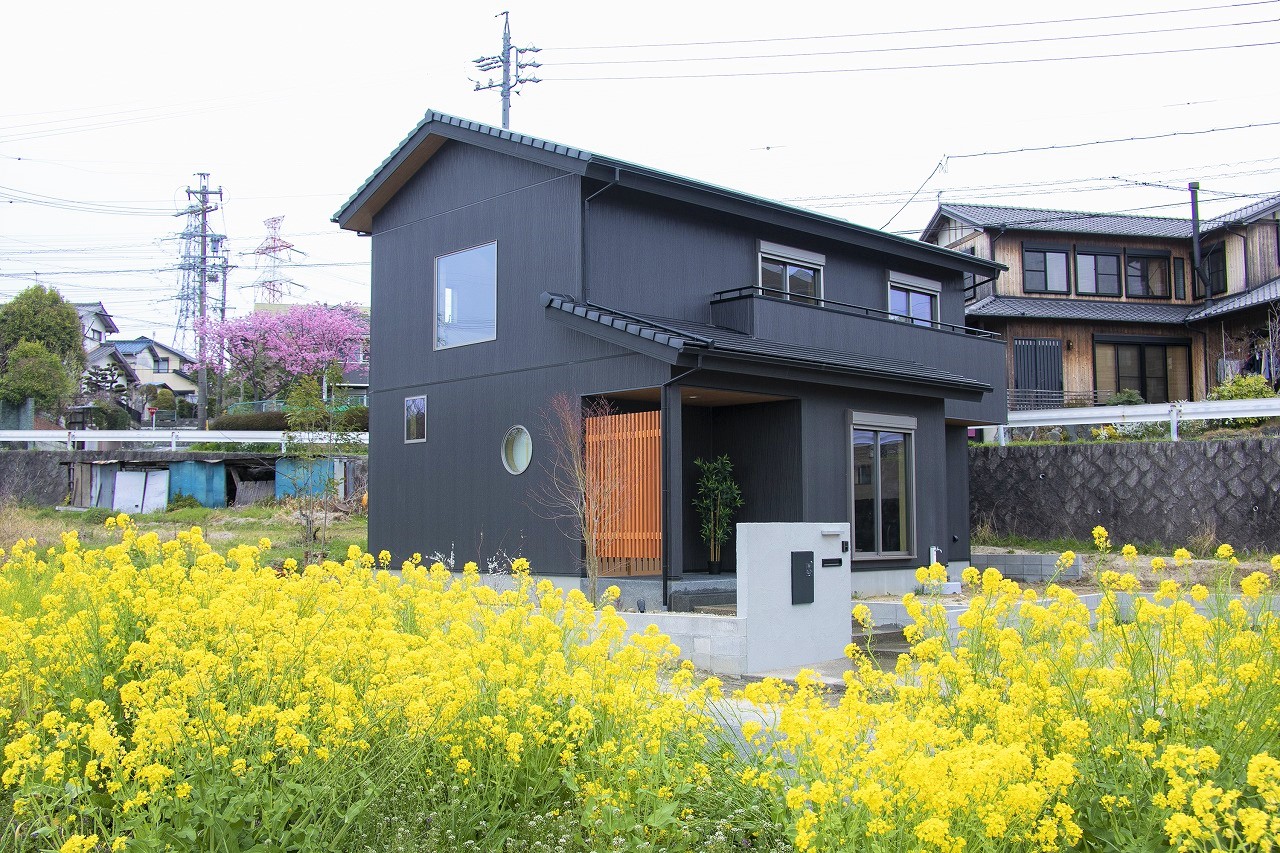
(793, 274)
(415, 419)
(1179, 278)
(1159, 369)
(162, 365)
(913, 299)
(1097, 273)
(1215, 270)
(1044, 270)
(517, 449)
(467, 297)
(882, 482)
(1146, 275)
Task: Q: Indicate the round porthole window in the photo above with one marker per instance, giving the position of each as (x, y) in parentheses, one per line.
(517, 449)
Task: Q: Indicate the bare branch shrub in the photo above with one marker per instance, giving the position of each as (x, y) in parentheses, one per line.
(584, 491)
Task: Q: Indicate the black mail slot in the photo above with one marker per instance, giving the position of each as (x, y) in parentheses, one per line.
(802, 577)
(832, 562)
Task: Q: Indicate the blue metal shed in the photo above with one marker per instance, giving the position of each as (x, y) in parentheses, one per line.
(204, 481)
(308, 476)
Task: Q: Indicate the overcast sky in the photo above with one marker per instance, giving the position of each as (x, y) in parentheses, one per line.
(108, 110)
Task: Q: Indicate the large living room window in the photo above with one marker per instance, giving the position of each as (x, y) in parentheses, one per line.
(1097, 273)
(1159, 369)
(1146, 274)
(467, 297)
(1044, 270)
(794, 274)
(882, 484)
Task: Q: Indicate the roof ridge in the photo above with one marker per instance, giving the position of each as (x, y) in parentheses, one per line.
(1063, 211)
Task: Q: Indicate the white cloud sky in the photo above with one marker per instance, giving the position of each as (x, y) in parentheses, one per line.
(291, 105)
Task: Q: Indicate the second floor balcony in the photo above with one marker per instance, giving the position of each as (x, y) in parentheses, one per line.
(828, 324)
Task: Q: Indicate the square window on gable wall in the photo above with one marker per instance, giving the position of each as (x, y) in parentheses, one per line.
(467, 297)
(792, 274)
(1044, 269)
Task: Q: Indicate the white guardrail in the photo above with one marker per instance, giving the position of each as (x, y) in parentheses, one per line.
(1173, 413)
(173, 438)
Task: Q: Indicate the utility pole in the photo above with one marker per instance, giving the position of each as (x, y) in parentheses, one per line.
(202, 393)
(509, 62)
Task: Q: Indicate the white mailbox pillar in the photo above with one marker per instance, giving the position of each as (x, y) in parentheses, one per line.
(798, 612)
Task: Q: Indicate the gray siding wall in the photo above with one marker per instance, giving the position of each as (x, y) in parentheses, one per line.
(656, 257)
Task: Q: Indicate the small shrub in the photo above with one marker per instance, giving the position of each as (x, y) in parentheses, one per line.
(182, 501)
(1241, 387)
(354, 419)
(252, 421)
(96, 514)
(1126, 397)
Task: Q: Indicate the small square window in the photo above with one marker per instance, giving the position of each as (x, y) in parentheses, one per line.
(1097, 274)
(791, 274)
(1146, 276)
(913, 299)
(1044, 271)
(415, 419)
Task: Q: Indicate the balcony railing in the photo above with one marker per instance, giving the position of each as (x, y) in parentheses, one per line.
(844, 308)
(1031, 399)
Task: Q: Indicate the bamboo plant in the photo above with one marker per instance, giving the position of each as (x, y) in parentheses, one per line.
(718, 498)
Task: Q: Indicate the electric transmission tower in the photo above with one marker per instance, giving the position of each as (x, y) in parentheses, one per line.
(203, 263)
(509, 62)
(274, 251)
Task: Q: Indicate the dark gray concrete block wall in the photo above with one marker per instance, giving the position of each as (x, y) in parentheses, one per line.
(1164, 492)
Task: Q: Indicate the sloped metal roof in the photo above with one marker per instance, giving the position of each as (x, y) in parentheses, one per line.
(1092, 310)
(1074, 221)
(1261, 295)
(1245, 214)
(357, 212)
(684, 336)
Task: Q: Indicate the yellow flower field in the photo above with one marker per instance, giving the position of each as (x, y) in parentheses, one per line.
(157, 695)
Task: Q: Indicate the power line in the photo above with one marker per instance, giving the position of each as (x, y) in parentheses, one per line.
(917, 67)
(989, 26)
(1110, 141)
(1040, 40)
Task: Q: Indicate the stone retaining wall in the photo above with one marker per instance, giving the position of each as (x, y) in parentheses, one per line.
(1165, 492)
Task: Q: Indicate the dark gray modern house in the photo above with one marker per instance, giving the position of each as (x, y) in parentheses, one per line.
(830, 361)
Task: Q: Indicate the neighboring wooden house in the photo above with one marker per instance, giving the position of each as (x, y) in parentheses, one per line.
(828, 360)
(1094, 303)
(159, 364)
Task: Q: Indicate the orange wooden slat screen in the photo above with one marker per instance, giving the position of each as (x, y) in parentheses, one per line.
(626, 450)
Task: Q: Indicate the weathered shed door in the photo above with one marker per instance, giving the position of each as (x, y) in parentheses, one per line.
(624, 462)
(1037, 373)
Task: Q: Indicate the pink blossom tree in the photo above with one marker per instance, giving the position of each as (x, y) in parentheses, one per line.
(270, 351)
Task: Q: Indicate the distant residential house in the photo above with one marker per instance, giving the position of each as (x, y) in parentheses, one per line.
(1096, 303)
(109, 355)
(95, 324)
(159, 364)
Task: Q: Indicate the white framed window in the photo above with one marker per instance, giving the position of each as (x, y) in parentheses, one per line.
(517, 449)
(415, 419)
(882, 484)
(467, 297)
(913, 299)
(793, 274)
